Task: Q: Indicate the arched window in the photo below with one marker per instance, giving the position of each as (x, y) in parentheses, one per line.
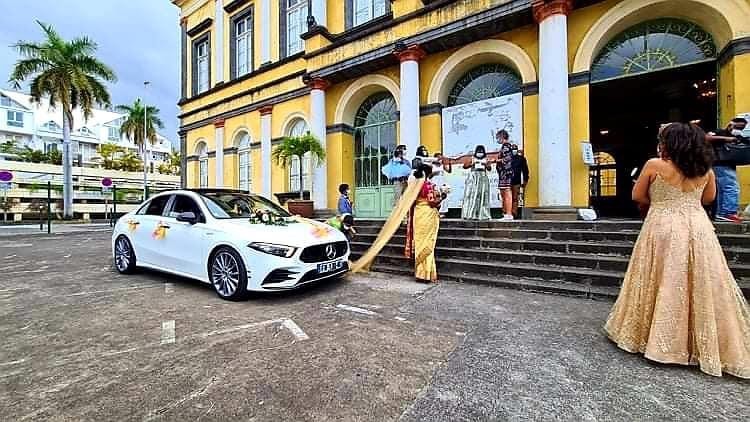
(202, 151)
(653, 45)
(245, 162)
(298, 127)
(607, 170)
(484, 82)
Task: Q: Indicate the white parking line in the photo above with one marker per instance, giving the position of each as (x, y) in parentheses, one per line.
(167, 332)
(15, 362)
(16, 245)
(168, 336)
(294, 329)
(93, 292)
(356, 310)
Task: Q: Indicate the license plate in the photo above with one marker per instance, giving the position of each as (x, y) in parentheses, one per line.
(327, 267)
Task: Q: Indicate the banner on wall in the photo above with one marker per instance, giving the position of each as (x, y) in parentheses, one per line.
(467, 125)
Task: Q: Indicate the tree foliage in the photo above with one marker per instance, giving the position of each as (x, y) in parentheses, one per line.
(132, 127)
(298, 146)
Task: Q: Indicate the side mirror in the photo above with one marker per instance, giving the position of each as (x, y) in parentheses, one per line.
(187, 217)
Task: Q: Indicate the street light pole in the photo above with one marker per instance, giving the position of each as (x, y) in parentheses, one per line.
(145, 142)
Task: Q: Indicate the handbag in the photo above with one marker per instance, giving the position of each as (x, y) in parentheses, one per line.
(733, 154)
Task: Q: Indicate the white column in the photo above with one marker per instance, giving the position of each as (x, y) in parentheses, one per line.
(554, 115)
(219, 138)
(318, 11)
(410, 134)
(218, 50)
(265, 151)
(265, 31)
(318, 129)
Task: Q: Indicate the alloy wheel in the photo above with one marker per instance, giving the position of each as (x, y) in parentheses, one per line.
(122, 254)
(225, 273)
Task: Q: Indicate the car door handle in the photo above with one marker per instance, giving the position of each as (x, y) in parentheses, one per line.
(166, 226)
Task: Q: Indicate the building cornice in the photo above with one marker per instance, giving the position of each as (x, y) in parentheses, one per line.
(241, 94)
(734, 48)
(290, 95)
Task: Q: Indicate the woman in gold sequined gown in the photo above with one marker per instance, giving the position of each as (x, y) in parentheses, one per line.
(679, 302)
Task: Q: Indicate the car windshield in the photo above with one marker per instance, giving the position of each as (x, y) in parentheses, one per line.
(238, 205)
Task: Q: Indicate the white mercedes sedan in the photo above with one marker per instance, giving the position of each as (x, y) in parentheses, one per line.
(237, 242)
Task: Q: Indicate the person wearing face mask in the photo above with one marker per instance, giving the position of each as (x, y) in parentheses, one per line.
(345, 204)
(476, 204)
(397, 171)
(520, 176)
(728, 190)
(441, 166)
(422, 156)
(505, 173)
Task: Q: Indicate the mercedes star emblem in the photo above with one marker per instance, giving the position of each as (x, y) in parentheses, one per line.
(330, 251)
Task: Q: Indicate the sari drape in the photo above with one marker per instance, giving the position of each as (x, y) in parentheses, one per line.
(390, 227)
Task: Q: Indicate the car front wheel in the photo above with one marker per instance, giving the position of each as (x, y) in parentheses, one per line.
(124, 256)
(228, 274)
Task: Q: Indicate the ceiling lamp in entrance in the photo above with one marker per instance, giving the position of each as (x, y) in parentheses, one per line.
(651, 46)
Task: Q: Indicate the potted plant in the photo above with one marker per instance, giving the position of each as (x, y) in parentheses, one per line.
(298, 146)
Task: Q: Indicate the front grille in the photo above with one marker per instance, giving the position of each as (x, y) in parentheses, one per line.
(317, 253)
(279, 276)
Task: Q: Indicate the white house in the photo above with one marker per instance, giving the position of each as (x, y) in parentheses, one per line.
(39, 126)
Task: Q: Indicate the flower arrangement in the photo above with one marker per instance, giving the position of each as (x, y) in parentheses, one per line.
(264, 217)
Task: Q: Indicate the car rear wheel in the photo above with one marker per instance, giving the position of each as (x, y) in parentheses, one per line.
(228, 274)
(124, 256)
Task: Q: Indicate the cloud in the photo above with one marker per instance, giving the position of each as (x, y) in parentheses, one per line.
(139, 39)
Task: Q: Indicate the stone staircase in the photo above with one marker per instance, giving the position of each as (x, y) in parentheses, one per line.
(566, 257)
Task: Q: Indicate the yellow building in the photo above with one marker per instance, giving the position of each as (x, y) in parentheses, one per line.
(367, 75)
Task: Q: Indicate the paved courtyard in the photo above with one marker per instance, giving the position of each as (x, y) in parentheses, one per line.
(80, 342)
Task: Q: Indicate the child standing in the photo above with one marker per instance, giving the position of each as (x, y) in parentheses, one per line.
(345, 204)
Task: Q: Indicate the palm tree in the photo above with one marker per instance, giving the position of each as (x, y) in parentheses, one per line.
(132, 128)
(298, 146)
(68, 73)
(175, 161)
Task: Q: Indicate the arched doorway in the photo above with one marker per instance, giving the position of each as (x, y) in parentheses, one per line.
(483, 100)
(374, 143)
(658, 71)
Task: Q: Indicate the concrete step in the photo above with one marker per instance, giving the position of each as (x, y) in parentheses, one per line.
(607, 226)
(726, 240)
(555, 259)
(542, 268)
(525, 284)
(624, 249)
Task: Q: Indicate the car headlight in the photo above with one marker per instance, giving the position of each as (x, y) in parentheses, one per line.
(273, 249)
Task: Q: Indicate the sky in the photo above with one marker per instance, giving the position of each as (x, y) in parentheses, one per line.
(138, 39)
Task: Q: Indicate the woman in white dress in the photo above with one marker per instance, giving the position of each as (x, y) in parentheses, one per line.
(441, 166)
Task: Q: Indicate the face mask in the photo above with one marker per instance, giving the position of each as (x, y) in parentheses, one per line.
(737, 132)
(515, 152)
(479, 155)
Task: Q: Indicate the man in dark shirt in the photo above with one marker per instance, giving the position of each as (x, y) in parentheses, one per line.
(520, 176)
(727, 188)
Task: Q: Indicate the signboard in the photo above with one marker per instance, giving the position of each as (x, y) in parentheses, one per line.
(467, 125)
(5, 176)
(5, 186)
(106, 185)
(588, 153)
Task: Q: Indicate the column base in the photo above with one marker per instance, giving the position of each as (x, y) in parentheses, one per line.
(554, 213)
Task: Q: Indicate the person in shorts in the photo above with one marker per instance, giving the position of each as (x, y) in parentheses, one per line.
(505, 173)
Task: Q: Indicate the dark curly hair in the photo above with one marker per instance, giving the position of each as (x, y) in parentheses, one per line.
(686, 146)
(423, 171)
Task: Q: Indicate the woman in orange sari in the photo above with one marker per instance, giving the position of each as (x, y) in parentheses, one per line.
(422, 229)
